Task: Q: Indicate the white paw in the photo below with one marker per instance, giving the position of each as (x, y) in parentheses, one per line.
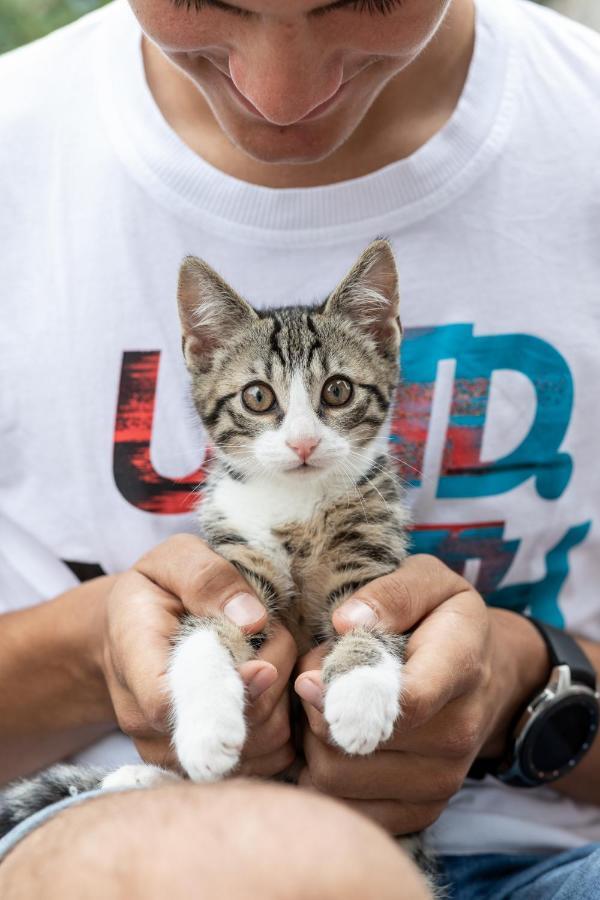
(140, 776)
(208, 707)
(362, 705)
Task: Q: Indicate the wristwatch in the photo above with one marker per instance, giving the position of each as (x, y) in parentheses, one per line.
(553, 734)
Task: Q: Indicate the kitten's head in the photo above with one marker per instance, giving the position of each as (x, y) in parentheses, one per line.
(300, 391)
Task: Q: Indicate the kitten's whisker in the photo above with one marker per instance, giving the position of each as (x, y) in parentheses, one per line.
(393, 462)
(349, 481)
(373, 485)
(359, 495)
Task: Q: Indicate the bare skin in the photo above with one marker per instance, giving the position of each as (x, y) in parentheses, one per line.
(238, 840)
(397, 101)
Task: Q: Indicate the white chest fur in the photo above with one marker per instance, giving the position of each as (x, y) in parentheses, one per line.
(254, 508)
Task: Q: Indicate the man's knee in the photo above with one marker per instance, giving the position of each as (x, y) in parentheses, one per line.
(237, 839)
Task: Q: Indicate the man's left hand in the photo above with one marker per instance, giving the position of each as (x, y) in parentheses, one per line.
(469, 669)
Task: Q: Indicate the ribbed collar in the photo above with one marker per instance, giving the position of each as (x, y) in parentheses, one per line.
(396, 195)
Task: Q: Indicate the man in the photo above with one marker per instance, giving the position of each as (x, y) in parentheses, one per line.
(275, 141)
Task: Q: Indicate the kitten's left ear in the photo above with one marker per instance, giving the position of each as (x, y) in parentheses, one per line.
(369, 297)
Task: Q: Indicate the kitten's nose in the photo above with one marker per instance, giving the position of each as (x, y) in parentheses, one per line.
(303, 447)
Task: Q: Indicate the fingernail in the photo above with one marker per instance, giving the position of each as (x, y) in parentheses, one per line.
(244, 609)
(309, 691)
(357, 613)
(261, 682)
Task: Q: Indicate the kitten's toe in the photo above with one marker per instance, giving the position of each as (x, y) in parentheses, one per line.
(137, 776)
(208, 700)
(209, 749)
(361, 706)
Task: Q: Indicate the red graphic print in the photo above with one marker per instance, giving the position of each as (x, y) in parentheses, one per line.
(135, 476)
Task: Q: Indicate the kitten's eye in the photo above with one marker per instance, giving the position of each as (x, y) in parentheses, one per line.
(258, 397)
(336, 392)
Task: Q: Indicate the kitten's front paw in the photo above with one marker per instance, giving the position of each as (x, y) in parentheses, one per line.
(208, 702)
(362, 705)
(140, 776)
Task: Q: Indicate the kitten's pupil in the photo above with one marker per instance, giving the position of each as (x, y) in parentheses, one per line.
(337, 392)
(258, 397)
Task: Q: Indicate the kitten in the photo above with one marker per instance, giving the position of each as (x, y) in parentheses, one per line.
(301, 498)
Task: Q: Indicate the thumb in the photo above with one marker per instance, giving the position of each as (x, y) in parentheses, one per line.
(398, 601)
(204, 582)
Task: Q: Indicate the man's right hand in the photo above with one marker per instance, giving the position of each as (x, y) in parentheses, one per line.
(183, 575)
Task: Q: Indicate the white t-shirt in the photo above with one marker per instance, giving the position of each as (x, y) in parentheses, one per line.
(496, 226)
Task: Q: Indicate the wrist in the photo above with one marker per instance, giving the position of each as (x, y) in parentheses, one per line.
(520, 669)
(86, 649)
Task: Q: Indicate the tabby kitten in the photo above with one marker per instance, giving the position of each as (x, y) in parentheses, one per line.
(301, 498)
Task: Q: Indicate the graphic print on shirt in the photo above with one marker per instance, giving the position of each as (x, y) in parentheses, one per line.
(463, 473)
(135, 476)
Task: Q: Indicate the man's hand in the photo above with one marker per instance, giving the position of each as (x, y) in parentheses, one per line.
(142, 613)
(469, 669)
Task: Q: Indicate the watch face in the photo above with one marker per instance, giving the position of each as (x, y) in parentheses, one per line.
(562, 734)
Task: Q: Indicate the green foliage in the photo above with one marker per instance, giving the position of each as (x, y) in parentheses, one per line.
(24, 20)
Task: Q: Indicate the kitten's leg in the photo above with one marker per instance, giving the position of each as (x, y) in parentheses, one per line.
(206, 688)
(207, 695)
(363, 680)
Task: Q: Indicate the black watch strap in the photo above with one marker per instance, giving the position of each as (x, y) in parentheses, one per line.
(564, 650)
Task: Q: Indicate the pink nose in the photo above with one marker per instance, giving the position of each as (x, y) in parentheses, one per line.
(303, 447)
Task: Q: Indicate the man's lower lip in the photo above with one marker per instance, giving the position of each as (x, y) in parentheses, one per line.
(313, 114)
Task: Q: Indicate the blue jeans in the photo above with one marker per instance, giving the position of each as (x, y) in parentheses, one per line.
(572, 875)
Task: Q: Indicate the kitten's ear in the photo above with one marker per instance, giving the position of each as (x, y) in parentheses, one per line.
(210, 311)
(369, 297)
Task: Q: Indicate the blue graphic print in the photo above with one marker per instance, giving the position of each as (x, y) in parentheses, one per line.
(463, 473)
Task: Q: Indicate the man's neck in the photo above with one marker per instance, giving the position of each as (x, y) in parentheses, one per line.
(410, 110)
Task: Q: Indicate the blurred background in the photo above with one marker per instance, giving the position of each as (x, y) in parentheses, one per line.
(24, 20)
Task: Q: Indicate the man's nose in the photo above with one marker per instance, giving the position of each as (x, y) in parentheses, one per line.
(303, 447)
(283, 73)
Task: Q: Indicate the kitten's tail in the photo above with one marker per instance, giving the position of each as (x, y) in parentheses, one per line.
(27, 796)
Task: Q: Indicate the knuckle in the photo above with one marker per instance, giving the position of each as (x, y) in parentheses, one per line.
(281, 732)
(129, 723)
(322, 772)
(437, 572)
(463, 740)
(156, 714)
(285, 758)
(474, 666)
(320, 728)
(445, 784)
(259, 712)
(323, 777)
(415, 711)
(394, 595)
(275, 704)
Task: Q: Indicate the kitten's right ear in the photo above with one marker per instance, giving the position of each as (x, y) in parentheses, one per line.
(210, 311)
